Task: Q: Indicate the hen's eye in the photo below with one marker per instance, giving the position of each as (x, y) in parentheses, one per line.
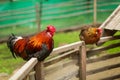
(96, 32)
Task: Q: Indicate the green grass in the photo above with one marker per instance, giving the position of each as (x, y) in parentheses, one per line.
(113, 50)
(7, 62)
(66, 38)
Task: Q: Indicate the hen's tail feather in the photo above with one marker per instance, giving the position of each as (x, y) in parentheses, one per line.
(10, 44)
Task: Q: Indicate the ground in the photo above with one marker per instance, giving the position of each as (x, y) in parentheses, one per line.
(63, 68)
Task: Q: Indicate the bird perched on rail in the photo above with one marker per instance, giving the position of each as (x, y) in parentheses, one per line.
(39, 45)
(90, 35)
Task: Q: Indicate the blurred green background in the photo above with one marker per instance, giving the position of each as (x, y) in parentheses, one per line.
(23, 17)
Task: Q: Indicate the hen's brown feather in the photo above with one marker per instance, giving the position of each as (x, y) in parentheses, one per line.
(90, 35)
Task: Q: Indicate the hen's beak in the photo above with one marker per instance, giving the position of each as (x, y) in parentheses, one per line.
(99, 30)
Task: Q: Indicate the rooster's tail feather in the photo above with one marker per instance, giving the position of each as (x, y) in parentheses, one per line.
(10, 43)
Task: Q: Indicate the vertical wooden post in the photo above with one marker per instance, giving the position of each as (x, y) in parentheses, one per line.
(31, 75)
(82, 62)
(39, 71)
(38, 16)
(95, 12)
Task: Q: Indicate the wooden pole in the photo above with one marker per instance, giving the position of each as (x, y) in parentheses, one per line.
(38, 16)
(39, 71)
(95, 12)
(82, 62)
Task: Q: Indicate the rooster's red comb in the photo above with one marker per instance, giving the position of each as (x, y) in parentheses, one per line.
(51, 28)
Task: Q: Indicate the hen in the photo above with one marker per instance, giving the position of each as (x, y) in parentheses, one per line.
(39, 45)
(90, 35)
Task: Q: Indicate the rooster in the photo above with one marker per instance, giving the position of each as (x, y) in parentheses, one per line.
(90, 35)
(39, 45)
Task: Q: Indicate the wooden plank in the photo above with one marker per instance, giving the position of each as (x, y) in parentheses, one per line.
(118, 25)
(24, 70)
(39, 69)
(115, 20)
(99, 49)
(104, 39)
(109, 18)
(103, 58)
(112, 77)
(31, 75)
(108, 38)
(103, 69)
(66, 48)
(82, 62)
(59, 58)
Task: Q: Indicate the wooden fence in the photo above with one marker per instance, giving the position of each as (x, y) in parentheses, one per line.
(74, 62)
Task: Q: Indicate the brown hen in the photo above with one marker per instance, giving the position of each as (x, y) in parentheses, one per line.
(90, 35)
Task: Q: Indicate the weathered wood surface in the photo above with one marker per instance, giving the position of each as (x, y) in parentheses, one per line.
(96, 51)
(39, 69)
(103, 69)
(107, 56)
(107, 38)
(82, 62)
(111, 20)
(24, 70)
(115, 77)
(66, 48)
(31, 75)
(59, 58)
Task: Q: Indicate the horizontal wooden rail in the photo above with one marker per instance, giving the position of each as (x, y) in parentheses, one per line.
(66, 47)
(103, 58)
(99, 49)
(59, 58)
(24, 70)
(112, 77)
(104, 39)
(103, 69)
